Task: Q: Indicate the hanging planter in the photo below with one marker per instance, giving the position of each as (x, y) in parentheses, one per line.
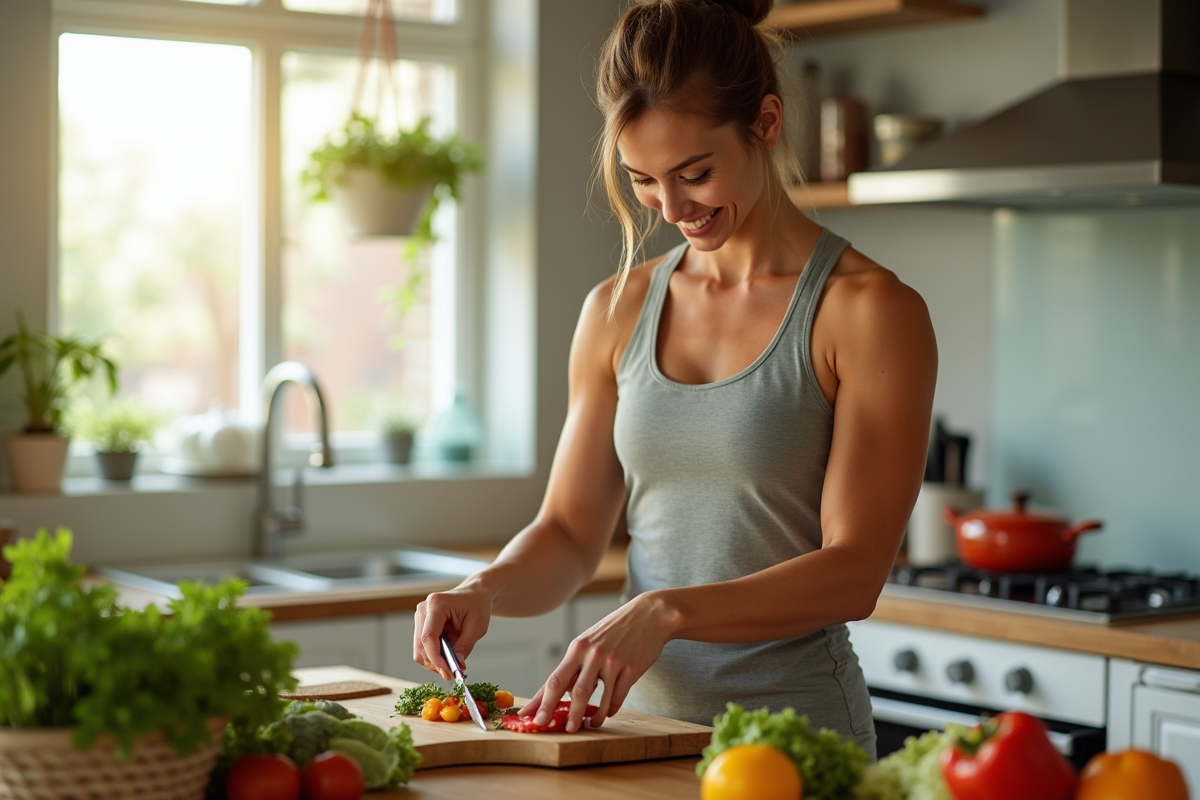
(387, 184)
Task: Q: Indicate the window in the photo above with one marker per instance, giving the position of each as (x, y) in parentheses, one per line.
(184, 237)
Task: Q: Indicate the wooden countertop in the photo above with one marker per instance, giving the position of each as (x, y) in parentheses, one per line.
(1172, 642)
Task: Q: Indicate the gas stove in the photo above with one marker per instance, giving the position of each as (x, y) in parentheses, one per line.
(1085, 594)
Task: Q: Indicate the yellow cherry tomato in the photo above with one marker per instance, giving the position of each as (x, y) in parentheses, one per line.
(451, 713)
(504, 699)
(751, 772)
(432, 710)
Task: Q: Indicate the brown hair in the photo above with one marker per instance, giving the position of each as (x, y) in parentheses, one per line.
(705, 57)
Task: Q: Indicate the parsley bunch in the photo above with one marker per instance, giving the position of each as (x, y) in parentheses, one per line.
(70, 656)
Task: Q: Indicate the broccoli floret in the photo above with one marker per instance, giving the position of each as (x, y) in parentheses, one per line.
(327, 706)
(310, 731)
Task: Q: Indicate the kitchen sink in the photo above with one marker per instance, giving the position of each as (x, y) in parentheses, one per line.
(315, 572)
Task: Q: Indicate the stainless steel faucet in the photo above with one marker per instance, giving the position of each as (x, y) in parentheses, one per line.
(276, 523)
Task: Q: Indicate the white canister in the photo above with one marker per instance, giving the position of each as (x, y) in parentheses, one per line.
(930, 539)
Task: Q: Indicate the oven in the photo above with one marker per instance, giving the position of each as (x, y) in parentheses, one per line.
(922, 679)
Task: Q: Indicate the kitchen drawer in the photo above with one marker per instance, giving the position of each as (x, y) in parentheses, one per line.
(1066, 686)
(353, 642)
(1168, 723)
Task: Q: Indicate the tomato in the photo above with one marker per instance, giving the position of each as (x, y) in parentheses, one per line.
(558, 723)
(451, 713)
(333, 776)
(432, 710)
(450, 701)
(751, 772)
(504, 699)
(1131, 775)
(261, 777)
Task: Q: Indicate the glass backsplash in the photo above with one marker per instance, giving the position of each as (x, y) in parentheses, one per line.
(1097, 376)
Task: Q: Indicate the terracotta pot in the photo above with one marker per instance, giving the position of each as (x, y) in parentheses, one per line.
(375, 208)
(1016, 540)
(36, 460)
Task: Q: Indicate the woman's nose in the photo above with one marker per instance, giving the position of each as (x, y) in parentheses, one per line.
(673, 205)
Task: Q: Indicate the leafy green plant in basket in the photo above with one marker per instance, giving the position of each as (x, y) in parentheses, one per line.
(71, 657)
(50, 366)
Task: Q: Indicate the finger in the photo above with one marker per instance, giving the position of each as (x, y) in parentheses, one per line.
(581, 691)
(530, 708)
(553, 690)
(621, 686)
(606, 697)
(430, 636)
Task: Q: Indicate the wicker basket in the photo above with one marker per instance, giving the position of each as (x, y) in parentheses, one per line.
(40, 764)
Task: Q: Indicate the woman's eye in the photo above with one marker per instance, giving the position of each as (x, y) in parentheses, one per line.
(699, 179)
(642, 181)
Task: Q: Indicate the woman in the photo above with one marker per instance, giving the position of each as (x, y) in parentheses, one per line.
(758, 400)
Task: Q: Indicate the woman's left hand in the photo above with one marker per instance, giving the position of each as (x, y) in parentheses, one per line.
(616, 651)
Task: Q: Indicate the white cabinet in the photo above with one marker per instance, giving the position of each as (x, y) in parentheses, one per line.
(517, 654)
(587, 609)
(1166, 719)
(353, 642)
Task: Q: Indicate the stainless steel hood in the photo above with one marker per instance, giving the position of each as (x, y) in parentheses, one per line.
(1122, 129)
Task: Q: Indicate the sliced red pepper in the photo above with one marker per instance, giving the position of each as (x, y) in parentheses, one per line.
(1009, 756)
(557, 724)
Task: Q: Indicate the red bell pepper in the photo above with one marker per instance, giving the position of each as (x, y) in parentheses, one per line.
(1006, 758)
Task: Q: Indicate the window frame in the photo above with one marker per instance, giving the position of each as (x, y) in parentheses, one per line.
(269, 31)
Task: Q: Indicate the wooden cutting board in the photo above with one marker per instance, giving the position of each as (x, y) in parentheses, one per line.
(629, 736)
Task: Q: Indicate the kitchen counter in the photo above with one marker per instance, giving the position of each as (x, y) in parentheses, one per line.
(1172, 642)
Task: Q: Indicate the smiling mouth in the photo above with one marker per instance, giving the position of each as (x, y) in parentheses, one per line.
(697, 224)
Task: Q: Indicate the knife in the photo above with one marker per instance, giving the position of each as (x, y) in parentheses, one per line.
(456, 668)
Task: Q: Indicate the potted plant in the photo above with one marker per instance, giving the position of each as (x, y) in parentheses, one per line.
(117, 431)
(50, 367)
(97, 700)
(398, 427)
(388, 185)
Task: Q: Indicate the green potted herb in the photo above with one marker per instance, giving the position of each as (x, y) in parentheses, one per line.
(398, 426)
(50, 367)
(98, 700)
(389, 184)
(118, 431)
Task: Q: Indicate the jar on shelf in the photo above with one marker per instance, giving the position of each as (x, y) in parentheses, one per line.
(456, 433)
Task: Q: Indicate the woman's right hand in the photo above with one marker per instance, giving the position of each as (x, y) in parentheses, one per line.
(462, 614)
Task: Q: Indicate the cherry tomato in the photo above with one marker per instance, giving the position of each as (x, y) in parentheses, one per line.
(504, 699)
(333, 776)
(450, 701)
(1130, 775)
(432, 710)
(262, 777)
(451, 713)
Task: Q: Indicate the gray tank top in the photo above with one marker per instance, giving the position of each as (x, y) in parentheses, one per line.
(725, 480)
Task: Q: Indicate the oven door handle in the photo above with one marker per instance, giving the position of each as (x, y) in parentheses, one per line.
(926, 717)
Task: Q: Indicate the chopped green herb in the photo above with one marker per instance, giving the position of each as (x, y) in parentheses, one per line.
(412, 700)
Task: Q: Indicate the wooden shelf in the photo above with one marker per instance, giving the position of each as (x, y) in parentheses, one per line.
(821, 194)
(830, 17)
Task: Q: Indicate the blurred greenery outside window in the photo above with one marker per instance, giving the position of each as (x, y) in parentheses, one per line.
(173, 189)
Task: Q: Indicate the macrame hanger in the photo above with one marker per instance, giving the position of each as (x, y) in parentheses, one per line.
(379, 12)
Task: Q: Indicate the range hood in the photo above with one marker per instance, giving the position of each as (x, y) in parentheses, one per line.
(1122, 128)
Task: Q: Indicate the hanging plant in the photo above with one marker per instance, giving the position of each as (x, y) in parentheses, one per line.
(388, 184)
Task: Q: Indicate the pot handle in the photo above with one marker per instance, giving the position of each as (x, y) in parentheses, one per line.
(952, 516)
(1072, 532)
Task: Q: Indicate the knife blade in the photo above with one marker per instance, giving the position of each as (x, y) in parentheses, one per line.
(456, 668)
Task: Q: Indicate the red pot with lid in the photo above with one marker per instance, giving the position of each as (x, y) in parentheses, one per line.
(1016, 539)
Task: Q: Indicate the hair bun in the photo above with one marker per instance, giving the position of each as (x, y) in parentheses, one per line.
(754, 10)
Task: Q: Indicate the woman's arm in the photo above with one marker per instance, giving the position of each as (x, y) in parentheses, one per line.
(885, 362)
(551, 559)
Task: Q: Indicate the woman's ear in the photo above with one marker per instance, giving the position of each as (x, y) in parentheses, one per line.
(770, 120)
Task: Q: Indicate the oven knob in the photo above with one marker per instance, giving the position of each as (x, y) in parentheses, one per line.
(1019, 681)
(1159, 598)
(960, 672)
(906, 661)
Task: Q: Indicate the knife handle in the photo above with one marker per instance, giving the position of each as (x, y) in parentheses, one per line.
(452, 659)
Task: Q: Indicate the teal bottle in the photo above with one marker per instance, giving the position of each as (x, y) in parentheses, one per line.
(457, 432)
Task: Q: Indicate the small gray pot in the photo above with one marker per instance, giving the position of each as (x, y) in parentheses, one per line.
(116, 466)
(397, 447)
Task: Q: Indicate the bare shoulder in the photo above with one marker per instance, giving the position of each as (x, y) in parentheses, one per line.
(608, 335)
(861, 293)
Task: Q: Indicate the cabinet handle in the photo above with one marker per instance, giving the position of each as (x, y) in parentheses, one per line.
(1175, 679)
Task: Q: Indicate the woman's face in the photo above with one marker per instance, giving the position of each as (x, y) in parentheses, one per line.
(703, 180)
